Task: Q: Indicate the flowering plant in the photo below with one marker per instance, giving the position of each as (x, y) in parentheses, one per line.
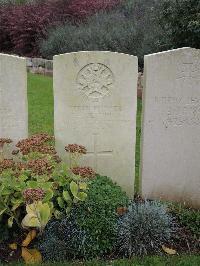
(35, 177)
(75, 152)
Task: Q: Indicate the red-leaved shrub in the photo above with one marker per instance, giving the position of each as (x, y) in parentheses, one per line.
(22, 26)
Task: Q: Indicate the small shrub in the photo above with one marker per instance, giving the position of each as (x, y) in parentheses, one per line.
(52, 250)
(66, 236)
(143, 229)
(98, 216)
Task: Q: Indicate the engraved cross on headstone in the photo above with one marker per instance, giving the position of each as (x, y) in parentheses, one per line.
(98, 152)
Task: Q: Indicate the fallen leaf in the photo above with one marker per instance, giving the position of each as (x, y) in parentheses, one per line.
(122, 210)
(169, 251)
(27, 256)
(31, 256)
(10, 222)
(31, 235)
(13, 246)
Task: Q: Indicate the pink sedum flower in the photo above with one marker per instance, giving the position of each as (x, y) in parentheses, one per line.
(84, 172)
(33, 194)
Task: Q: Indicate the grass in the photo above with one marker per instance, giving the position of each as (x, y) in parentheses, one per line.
(40, 99)
(137, 150)
(40, 104)
(147, 261)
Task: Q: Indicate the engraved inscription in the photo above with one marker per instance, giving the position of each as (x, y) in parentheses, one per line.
(96, 110)
(95, 80)
(180, 111)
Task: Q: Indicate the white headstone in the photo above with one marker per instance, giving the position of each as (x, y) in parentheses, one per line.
(170, 163)
(95, 106)
(13, 97)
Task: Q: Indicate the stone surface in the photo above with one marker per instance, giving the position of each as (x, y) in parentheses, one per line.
(95, 106)
(13, 97)
(170, 165)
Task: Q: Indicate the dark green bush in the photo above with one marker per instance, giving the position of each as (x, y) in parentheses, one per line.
(52, 249)
(180, 20)
(191, 219)
(4, 233)
(63, 240)
(98, 217)
(144, 229)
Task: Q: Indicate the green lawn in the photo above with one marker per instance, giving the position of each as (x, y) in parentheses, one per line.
(147, 261)
(40, 104)
(40, 99)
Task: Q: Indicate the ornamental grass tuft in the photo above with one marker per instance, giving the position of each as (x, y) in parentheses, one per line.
(144, 229)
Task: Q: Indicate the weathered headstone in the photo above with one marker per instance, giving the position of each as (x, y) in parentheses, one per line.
(13, 97)
(170, 162)
(95, 106)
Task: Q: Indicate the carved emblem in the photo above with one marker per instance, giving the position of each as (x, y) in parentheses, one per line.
(95, 80)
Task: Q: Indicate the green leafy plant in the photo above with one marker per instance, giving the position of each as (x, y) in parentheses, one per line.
(11, 188)
(69, 189)
(11, 197)
(75, 152)
(38, 215)
(97, 215)
(144, 229)
(189, 218)
(35, 166)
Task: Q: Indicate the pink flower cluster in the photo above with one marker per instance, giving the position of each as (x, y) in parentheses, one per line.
(84, 172)
(75, 148)
(33, 194)
(5, 141)
(36, 143)
(7, 164)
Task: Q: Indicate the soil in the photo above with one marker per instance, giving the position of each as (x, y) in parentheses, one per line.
(183, 241)
(7, 254)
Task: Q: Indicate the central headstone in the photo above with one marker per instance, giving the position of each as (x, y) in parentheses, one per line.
(95, 106)
(13, 97)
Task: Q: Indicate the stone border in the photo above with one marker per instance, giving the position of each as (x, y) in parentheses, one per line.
(40, 66)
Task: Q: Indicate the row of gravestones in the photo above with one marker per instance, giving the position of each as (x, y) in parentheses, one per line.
(95, 105)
